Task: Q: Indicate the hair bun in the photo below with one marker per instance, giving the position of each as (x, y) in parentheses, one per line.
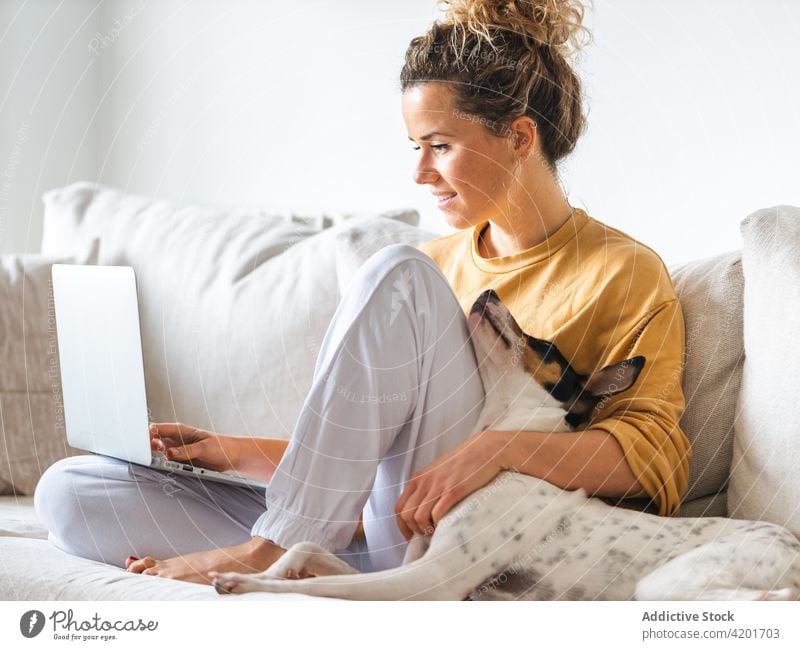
(554, 23)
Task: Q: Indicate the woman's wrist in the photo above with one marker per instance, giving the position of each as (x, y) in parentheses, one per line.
(256, 457)
(498, 449)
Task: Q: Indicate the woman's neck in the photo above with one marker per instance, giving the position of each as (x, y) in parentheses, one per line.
(509, 237)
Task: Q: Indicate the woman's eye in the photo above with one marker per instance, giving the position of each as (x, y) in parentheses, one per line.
(438, 147)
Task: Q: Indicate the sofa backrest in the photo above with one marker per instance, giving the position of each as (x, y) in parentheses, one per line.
(233, 305)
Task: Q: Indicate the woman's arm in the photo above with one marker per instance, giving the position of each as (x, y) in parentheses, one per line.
(592, 460)
(258, 457)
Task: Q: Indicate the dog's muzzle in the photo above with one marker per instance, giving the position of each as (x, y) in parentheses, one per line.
(482, 300)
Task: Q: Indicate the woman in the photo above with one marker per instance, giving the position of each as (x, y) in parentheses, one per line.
(492, 104)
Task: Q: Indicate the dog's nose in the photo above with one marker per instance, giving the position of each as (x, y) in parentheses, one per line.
(480, 303)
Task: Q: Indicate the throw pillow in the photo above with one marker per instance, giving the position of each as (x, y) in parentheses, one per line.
(361, 239)
(710, 293)
(31, 407)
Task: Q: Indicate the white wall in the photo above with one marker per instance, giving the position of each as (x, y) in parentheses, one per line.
(693, 121)
(48, 93)
(296, 105)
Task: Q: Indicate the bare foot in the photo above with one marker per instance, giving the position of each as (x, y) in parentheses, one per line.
(251, 557)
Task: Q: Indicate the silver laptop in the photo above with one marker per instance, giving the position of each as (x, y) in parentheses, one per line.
(102, 369)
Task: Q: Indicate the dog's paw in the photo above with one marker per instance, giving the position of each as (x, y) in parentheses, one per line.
(233, 583)
(242, 583)
(298, 562)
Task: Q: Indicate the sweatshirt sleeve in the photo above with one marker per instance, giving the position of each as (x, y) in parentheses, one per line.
(645, 418)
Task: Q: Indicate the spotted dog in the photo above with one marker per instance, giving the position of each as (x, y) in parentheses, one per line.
(520, 537)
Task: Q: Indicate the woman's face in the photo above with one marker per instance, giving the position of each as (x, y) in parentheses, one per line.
(458, 156)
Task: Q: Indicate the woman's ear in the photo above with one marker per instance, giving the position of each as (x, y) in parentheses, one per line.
(523, 136)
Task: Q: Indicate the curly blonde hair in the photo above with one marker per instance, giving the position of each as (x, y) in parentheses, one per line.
(504, 59)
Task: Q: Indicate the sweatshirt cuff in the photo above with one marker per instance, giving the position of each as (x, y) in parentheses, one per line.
(663, 474)
(286, 529)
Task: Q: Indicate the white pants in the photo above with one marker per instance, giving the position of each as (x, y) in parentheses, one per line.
(396, 385)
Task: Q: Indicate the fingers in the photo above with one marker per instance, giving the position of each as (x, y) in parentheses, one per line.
(400, 509)
(414, 511)
(174, 431)
(422, 516)
(187, 453)
(444, 505)
(409, 513)
(176, 441)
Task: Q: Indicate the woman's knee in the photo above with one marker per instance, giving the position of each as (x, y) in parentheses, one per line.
(404, 264)
(63, 484)
(390, 257)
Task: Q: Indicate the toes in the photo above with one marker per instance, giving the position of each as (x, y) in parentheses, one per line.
(139, 566)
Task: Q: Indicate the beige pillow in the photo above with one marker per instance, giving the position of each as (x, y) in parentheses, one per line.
(361, 239)
(31, 407)
(710, 293)
(764, 481)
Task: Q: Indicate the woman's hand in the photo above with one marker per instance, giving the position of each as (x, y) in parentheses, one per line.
(188, 444)
(433, 491)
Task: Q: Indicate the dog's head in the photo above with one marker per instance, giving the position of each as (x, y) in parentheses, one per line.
(521, 372)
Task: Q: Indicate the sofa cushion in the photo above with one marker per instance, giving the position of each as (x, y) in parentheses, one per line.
(31, 412)
(18, 518)
(34, 569)
(233, 306)
(710, 292)
(763, 482)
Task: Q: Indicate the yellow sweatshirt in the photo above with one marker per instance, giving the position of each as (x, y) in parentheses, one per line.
(601, 297)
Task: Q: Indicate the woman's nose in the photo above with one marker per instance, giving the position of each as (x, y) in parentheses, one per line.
(423, 177)
(424, 174)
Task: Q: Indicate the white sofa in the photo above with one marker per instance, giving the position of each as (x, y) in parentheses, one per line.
(234, 305)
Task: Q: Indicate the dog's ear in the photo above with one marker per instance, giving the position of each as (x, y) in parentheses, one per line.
(615, 378)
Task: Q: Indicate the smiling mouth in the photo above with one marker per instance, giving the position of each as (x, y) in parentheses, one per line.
(444, 199)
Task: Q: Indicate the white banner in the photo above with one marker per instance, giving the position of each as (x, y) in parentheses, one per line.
(328, 623)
